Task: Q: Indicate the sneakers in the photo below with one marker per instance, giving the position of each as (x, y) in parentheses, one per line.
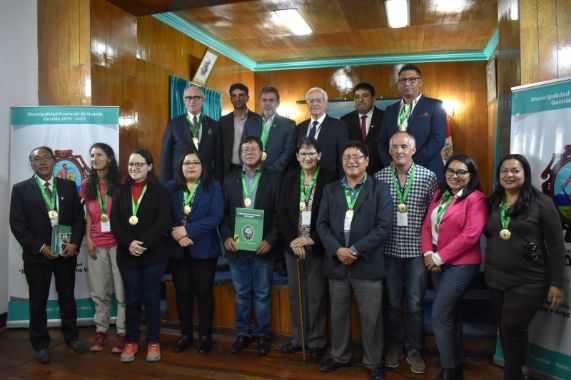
(128, 354)
(414, 358)
(98, 342)
(119, 344)
(153, 352)
(393, 358)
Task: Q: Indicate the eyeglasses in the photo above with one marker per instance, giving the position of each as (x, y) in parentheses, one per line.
(353, 157)
(304, 155)
(38, 159)
(196, 98)
(506, 171)
(137, 165)
(192, 163)
(410, 80)
(458, 173)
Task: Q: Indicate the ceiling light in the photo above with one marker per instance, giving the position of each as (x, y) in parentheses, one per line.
(450, 6)
(293, 20)
(398, 13)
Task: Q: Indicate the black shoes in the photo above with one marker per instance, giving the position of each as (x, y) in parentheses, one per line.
(242, 341)
(377, 373)
(264, 344)
(77, 346)
(43, 355)
(205, 345)
(330, 365)
(450, 374)
(289, 348)
(316, 353)
(182, 344)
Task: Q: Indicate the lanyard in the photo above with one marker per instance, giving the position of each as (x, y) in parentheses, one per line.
(403, 196)
(135, 207)
(51, 203)
(351, 200)
(506, 219)
(102, 202)
(189, 196)
(444, 204)
(194, 130)
(248, 190)
(266, 130)
(304, 191)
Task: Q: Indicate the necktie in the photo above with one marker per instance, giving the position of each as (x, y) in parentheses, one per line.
(194, 122)
(364, 127)
(48, 190)
(403, 117)
(313, 129)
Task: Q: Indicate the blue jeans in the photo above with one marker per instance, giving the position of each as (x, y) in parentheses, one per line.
(405, 277)
(450, 285)
(252, 280)
(143, 287)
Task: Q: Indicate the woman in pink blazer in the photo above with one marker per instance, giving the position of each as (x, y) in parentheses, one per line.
(451, 247)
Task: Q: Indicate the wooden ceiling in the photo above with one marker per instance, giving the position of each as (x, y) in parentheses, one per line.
(342, 28)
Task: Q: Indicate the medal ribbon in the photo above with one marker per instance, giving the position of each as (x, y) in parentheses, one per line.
(248, 190)
(50, 202)
(444, 204)
(266, 130)
(403, 196)
(506, 219)
(102, 202)
(304, 191)
(135, 207)
(194, 131)
(351, 200)
(189, 196)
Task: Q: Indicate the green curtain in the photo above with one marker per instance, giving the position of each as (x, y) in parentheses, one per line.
(212, 105)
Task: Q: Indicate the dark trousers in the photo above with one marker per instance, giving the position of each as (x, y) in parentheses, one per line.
(194, 278)
(514, 313)
(142, 287)
(39, 277)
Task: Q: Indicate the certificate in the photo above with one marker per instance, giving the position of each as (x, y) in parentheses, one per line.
(61, 237)
(248, 228)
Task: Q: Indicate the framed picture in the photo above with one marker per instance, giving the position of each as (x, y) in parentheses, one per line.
(491, 79)
(205, 68)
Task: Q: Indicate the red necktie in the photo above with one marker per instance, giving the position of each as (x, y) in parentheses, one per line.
(364, 127)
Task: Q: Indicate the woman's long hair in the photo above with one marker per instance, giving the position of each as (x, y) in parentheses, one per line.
(205, 176)
(528, 194)
(113, 175)
(473, 184)
(151, 177)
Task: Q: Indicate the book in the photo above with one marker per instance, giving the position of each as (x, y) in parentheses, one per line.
(61, 237)
(248, 228)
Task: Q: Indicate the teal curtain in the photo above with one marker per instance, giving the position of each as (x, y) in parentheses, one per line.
(212, 105)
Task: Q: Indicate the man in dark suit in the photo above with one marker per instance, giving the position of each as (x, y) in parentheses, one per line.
(422, 117)
(331, 134)
(355, 219)
(365, 122)
(38, 204)
(190, 132)
(275, 131)
(232, 126)
(251, 271)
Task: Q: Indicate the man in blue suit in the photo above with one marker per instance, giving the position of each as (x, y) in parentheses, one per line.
(275, 131)
(422, 117)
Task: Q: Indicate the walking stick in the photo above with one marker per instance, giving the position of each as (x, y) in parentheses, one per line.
(299, 296)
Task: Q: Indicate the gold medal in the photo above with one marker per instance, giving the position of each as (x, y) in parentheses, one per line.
(186, 209)
(133, 220)
(52, 214)
(402, 207)
(247, 202)
(437, 227)
(195, 141)
(349, 214)
(505, 234)
(264, 156)
(301, 206)
(104, 218)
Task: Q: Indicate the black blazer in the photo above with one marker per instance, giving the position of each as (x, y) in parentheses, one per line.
(332, 138)
(353, 121)
(153, 228)
(371, 225)
(288, 214)
(177, 140)
(227, 127)
(267, 197)
(29, 219)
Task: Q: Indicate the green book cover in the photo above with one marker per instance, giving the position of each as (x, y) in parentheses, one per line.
(61, 237)
(248, 228)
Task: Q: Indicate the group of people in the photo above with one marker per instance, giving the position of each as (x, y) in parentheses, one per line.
(360, 206)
